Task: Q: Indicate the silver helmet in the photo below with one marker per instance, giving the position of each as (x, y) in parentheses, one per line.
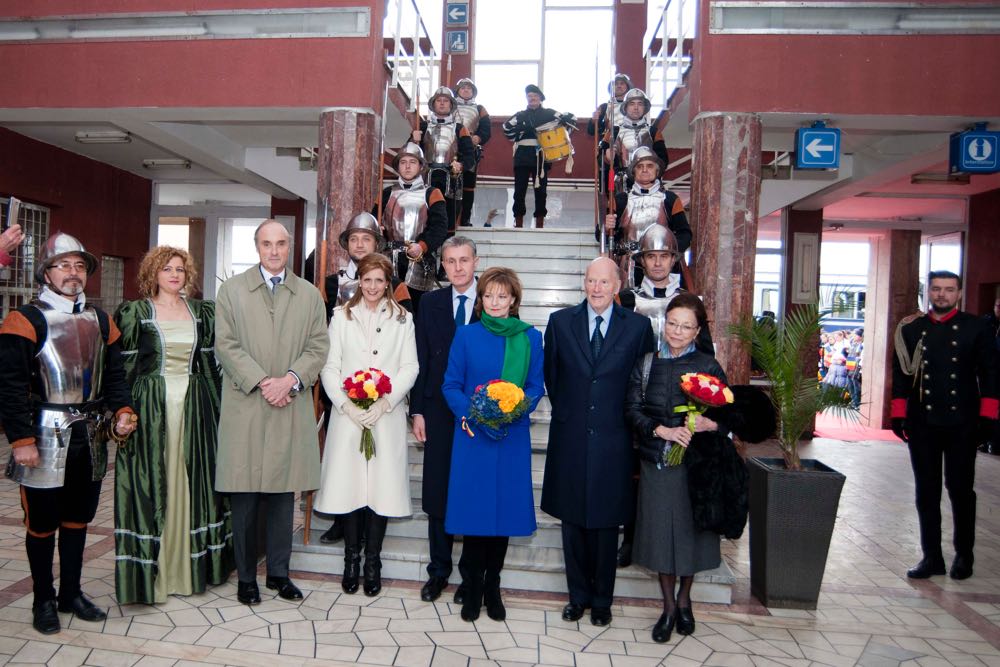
(469, 82)
(619, 77)
(61, 245)
(411, 149)
(445, 92)
(362, 222)
(644, 153)
(635, 94)
(657, 238)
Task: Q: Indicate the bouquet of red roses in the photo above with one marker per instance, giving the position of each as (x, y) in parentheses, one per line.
(704, 391)
(364, 387)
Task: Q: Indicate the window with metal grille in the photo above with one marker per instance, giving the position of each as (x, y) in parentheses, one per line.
(17, 281)
(112, 282)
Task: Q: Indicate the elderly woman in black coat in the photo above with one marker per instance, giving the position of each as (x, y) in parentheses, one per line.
(668, 539)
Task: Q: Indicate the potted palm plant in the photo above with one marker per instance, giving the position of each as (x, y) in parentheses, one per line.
(793, 501)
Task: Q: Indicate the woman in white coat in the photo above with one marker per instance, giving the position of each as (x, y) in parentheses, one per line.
(370, 331)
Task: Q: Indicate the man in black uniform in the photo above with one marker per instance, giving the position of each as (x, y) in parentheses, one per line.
(61, 379)
(476, 120)
(944, 397)
(529, 161)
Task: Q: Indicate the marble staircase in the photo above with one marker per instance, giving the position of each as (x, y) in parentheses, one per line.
(551, 264)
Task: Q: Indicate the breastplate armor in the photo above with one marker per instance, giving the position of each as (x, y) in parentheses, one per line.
(643, 211)
(407, 214)
(440, 143)
(655, 309)
(71, 362)
(345, 288)
(468, 115)
(630, 138)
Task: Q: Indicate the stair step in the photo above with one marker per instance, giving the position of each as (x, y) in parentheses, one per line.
(533, 568)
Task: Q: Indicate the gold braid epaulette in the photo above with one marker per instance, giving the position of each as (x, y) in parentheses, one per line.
(907, 362)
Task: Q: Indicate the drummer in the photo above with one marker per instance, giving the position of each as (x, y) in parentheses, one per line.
(529, 161)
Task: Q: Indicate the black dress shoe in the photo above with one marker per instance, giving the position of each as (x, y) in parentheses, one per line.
(247, 592)
(573, 612)
(961, 567)
(432, 589)
(460, 594)
(664, 628)
(625, 554)
(685, 621)
(494, 604)
(286, 589)
(334, 533)
(44, 617)
(927, 567)
(83, 609)
(600, 616)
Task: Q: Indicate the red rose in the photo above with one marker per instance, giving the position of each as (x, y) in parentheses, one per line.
(383, 386)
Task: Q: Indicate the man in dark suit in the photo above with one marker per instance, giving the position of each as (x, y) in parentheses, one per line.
(441, 313)
(588, 466)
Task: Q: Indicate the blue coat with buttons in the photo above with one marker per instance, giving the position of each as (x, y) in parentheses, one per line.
(588, 465)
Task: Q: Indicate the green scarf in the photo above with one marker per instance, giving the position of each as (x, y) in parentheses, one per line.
(517, 352)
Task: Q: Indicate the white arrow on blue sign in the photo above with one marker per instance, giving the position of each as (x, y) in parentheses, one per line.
(457, 13)
(817, 148)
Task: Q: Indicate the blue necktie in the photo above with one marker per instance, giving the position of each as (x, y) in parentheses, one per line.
(597, 340)
(460, 311)
(274, 283)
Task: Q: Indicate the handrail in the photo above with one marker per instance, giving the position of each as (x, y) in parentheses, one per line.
(666, 67)
(413, 72)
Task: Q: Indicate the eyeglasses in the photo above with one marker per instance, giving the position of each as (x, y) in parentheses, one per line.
(677, 326)
(66, 267)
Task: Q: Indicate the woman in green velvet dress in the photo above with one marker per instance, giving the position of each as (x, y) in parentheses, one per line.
(172, 531)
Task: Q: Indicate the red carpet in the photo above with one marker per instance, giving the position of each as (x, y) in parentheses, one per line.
(837, 429)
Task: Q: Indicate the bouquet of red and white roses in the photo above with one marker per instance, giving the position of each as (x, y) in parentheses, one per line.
(704, 391)
(364, 387)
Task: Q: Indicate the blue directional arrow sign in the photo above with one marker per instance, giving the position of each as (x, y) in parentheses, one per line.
(975, 151)
(458, 41)
(456, 14)
(817, 147)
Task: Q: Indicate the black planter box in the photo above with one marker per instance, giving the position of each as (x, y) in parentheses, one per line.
(792, 515)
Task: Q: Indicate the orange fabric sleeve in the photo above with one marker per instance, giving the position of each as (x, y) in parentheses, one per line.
(113, 332)
(402, 292)
(678, 207)
(17, 324)
(23, 442)
(435, 197)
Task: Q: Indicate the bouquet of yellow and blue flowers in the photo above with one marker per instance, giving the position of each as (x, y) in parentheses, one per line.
(495, 406)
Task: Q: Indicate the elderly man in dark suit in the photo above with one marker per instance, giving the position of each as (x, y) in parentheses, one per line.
(590, 350)
(441, 313)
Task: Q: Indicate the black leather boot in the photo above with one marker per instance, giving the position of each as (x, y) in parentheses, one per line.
(374, 534)
(352, 551)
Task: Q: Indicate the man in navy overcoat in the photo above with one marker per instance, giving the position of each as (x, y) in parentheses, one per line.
(590, 350)
(433, 423)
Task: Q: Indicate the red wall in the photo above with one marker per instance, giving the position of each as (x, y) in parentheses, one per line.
(936, 75)
(192, 73)
(106, 208)
(983, 246)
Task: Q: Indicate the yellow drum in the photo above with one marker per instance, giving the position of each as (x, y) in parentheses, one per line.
(553, 139)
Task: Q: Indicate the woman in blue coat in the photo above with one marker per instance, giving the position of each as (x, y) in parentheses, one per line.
(489, 489)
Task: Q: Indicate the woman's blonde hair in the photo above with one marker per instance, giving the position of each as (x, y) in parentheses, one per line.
(155, 260)
(504, 277)
(370, 263)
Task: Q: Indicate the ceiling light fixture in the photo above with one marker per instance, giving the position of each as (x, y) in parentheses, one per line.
(166, 163)
(103, 137)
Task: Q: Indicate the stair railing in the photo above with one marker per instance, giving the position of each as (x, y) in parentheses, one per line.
(412, 58)
(668, 50)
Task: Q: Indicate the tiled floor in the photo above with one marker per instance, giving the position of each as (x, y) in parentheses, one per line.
(869, 614)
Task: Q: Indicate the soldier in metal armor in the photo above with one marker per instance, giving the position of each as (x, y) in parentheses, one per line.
(415, 220)
(632, 130)
(944, 402)
(529, 162)
(449, 150)
(476, 120)
(63, 393)
(617, 87)
(646, 204)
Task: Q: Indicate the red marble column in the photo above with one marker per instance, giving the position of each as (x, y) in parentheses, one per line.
(346, 180)
(725, 191)
(892, 294)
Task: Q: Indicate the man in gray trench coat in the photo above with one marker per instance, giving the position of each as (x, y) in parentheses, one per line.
(271, 339)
